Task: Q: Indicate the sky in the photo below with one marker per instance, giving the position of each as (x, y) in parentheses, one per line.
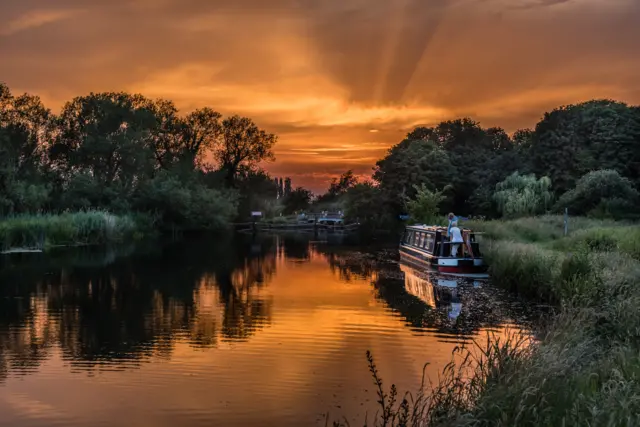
(339, 81)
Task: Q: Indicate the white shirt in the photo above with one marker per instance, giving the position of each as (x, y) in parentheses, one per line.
(456, 236)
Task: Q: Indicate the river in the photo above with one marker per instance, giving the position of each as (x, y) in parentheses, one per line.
(229, 331)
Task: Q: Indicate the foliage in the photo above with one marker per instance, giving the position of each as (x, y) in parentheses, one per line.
(601, 193)
(363, 205)
(340, 186)
(335, 197)
(81, 228)
(186, 206)
(257, 192)
(122, 152)
(296, 200)
(424, 207)
(408, 164)
(243, 145)
(24, 128)
(572, 140)
(521, 195)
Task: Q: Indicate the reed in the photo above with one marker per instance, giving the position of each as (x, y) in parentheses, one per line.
(69, 229)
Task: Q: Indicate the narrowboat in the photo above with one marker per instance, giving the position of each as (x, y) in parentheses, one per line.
(428, 246)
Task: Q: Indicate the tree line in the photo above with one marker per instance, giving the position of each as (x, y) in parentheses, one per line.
(123, 152)
(584, 157)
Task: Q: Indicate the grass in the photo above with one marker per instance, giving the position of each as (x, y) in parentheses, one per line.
(69, 229)
(585, 368)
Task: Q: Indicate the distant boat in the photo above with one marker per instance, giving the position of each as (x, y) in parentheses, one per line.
(428, 247)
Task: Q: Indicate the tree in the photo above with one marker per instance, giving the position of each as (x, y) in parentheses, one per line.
(287, 186)
(412, 162)
(521, 195)
(570, 141)
(340, 185)
(201, 132)
(166, 134)
(603, 193)
(424, 207)
(107, 137)
(297, 200)
(25, 127)
(363, 204)
(185, 207)
(243, 144)
(257, 192)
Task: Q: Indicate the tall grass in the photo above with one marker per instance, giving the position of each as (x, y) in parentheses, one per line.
(585, 368)
(69, 229)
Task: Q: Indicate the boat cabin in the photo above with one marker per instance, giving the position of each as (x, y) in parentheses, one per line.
(433, 240)
(429, 245)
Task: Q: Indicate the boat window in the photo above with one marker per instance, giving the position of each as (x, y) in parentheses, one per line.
(429, 242)
(420, 240)
(423, 241)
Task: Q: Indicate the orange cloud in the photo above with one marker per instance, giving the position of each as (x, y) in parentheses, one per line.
(337, 81)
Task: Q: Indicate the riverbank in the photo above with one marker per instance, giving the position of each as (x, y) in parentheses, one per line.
(585, 367)
(39, 232)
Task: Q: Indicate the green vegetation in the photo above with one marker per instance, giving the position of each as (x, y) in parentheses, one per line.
(523, 195)
(125, 155)
(424, 207)
(584, 156)
(69, 229)
(583, 369)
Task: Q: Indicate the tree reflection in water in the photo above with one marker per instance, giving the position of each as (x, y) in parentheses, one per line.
(102, 308)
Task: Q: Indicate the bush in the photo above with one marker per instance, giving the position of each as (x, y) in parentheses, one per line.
(424, 208)
(186, 207)
(601, 194)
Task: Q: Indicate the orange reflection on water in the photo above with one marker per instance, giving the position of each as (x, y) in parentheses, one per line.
(276, 336)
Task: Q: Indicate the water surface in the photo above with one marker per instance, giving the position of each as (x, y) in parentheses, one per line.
(233, 331)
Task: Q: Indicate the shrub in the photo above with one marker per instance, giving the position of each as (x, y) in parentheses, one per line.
(424, 208)
(601, 194)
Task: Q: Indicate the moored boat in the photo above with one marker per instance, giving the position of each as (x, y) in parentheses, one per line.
(427, 246)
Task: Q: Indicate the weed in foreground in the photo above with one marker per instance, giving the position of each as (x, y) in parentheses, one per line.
(460, 384)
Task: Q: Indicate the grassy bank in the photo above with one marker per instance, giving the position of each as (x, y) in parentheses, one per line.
(585, 369)
(70, 229)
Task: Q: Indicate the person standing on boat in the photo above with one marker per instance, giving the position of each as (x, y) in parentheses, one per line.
(455, 237)
(452, 218)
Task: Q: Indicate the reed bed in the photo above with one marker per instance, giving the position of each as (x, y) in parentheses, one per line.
(31, 232)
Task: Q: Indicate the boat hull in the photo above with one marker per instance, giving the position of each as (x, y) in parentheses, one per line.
(469, 267)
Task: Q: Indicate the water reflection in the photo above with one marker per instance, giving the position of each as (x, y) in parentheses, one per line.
(213, 326)
(112, 308)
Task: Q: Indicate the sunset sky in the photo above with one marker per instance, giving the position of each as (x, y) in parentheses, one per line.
(338, 81)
